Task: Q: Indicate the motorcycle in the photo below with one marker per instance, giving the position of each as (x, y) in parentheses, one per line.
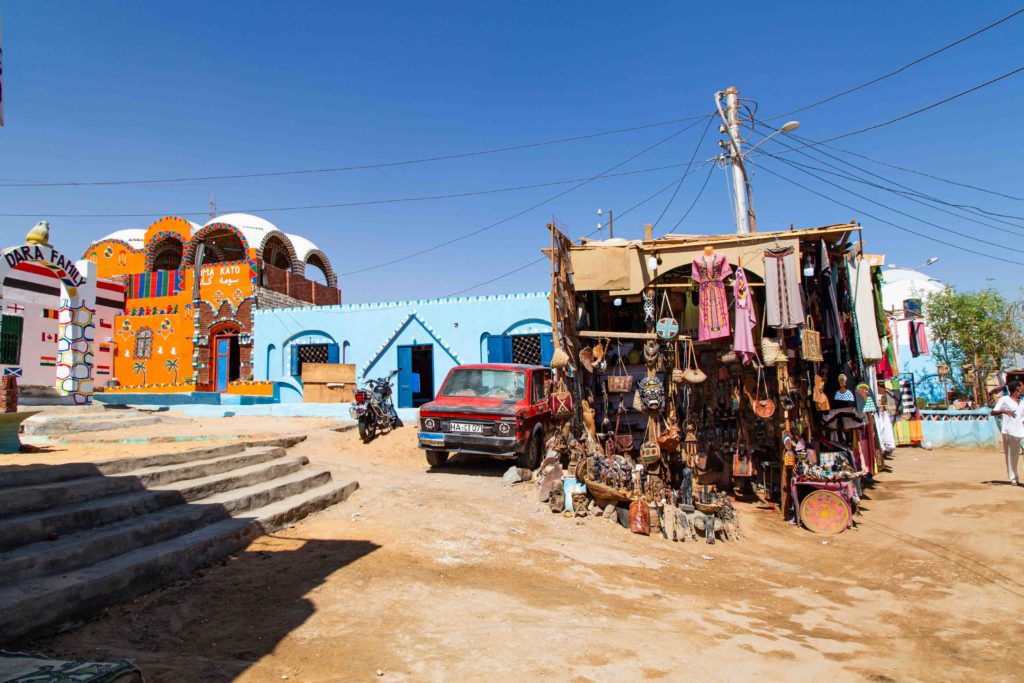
(373, 409)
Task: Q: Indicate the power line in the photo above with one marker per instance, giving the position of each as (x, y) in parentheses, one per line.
(693, 156)
(536, 261)
(341, 169)
(916, 111)
(524, 211)
(882, 220)
(369, 202)
(902, 68)
(910, 194)
(711, 169)
(895, 210)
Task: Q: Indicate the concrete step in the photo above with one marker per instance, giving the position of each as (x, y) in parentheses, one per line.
(89, 546)
(44, 604)
(13, 476)
(168, 474)
(41, 425)
(42, 524)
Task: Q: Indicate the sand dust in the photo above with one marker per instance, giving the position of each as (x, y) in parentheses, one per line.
(446, 574)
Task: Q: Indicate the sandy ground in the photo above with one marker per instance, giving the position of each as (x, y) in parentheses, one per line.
(446, 574)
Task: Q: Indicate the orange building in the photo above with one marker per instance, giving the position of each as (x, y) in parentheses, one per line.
(191, 291)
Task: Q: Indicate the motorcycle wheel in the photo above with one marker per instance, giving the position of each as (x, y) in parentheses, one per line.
(366, 431)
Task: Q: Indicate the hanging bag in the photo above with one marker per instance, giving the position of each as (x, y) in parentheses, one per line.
(811, 348)
(677, 371)
(771, 350)
(649, 451)
(620, 381)
(693, 374)
(762, 407)
(668, 440)
(623, 442)
(742, 463)
(667, 327)
(560, 402)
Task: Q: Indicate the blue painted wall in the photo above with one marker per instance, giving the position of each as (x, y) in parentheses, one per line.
(368, 335)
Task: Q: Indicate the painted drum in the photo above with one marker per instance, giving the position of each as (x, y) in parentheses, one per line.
(825, 512)
(667, 328)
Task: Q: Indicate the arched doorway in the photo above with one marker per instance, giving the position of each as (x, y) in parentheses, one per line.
(226, 362)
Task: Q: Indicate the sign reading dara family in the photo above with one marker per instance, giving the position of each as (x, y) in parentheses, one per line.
(30, 253)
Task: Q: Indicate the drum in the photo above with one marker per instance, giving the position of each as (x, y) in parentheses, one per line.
(825, 512)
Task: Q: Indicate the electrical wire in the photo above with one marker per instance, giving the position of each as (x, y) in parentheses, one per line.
(1001, 246)
(902, 117)
(342, 169)
(910, 195)
(693, 156)
(711, 169)
(369, 202)
(522, 212)
(902, 68)
(926, 236)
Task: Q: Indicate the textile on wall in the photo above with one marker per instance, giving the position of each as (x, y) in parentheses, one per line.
(714, 307)
(784, 308)
(864, 310)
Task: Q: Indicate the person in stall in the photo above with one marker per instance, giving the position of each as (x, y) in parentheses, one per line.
(1009, 408)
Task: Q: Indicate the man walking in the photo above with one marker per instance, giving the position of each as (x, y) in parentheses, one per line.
(1009, 407)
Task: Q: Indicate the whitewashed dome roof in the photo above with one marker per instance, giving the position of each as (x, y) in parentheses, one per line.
(135, 237)
(303, 247)
(253, 227)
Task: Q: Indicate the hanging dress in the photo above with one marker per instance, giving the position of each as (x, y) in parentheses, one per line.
(709, 273)
(783, 309)
(743, 339)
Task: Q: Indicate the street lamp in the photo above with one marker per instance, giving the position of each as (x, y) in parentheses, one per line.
(929, 262)
(787, 127)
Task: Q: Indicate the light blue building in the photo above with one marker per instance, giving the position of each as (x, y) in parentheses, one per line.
(425, 338)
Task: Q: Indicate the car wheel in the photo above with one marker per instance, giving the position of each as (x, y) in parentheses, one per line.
(530, 457)
(437, 458)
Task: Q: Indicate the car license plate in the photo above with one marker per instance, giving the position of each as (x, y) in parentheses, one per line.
(465, 428)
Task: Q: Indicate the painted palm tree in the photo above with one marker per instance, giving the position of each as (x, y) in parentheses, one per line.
(140, 369)
(172, 365)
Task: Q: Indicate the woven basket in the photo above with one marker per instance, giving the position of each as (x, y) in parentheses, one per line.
(708, 508)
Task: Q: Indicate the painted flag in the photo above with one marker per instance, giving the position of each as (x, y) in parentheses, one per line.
(1, 72)
(51, 313)
(48, 361)
(12, 372)
(106, 325)
(48, 337)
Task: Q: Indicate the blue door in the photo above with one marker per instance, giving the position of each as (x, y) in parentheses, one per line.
(223, 360)
(405, 378)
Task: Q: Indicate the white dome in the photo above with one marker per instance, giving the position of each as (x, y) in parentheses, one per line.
(303, 247)
(900, 284)
(253, 227)
(136, 237)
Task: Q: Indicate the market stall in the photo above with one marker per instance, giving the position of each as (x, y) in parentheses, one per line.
(694, 369)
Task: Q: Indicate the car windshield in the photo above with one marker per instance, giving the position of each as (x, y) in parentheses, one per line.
(501, 384)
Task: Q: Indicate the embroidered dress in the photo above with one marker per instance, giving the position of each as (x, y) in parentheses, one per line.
(714, 307)
(743, 341)
(783, 307)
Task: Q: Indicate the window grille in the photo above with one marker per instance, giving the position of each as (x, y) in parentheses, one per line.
(144, 343)
(526, 349)
(10, 339)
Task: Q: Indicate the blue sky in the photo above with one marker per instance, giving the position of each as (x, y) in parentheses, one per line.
(104, 90)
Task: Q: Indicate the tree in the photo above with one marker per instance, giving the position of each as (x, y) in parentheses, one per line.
(975, 331)
(172, 364)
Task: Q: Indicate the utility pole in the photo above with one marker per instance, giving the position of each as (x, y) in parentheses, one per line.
(745, 221)
(213, 206)
(600, 226)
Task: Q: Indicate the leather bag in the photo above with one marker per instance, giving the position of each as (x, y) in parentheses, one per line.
(669, 439)
(623, 442)
(640, 517)
(620, 381)
(693, 374)
(742, 462)
(762, 407)
(667, 327)
(811, 347)
(677, 372)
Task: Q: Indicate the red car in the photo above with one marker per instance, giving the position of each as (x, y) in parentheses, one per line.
(498, 410)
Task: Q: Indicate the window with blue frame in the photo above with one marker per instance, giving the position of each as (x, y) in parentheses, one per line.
(528, 349)
(312, 353)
